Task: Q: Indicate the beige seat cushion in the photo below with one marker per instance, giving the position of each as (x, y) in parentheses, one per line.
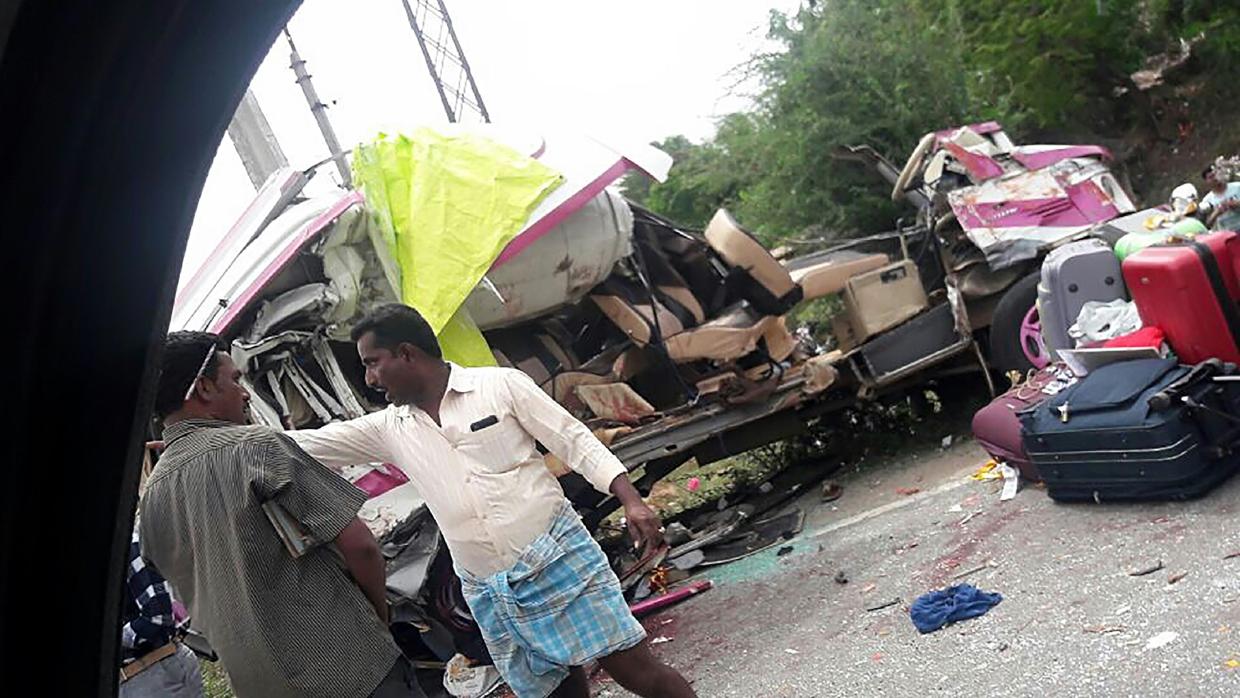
(740, 249)
(637, 321)
(780, 343)
(562, 388)
(831, 275)
(726, 338)
(820, 372)
(617, 402)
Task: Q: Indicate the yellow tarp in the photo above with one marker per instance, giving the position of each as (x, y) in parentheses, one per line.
(447, 205)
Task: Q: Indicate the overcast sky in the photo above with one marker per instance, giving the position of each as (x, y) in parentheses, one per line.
(637, 70)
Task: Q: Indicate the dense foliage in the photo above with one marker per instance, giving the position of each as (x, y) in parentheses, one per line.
(884, 72)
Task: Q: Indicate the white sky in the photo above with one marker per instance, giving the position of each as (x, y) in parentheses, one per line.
(633, 71)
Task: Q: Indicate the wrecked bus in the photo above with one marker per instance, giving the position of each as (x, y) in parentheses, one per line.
(670, 343)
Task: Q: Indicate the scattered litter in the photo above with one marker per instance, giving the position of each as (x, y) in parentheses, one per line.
(1104, 629)
(1229, 556)
(694, 484)
(939, 608)
(947, 441)
(876, 657)
(1176, 577)
(868, 588)
(1003, 647)
(783, 551)
(968, 517)
(677, 534)
(689, 560)
(766, 488)
(881, 606)
(1147, 569)
(906, 491)
(791, 651)
(1011, 481)
(1122, 610)
(831, 491)
(956, 509)
(1161, 640)
(660, 640)
(905, 548)
(462, 679)
(988, 471)
(1232, 663)
(758, 536)
(645, 608)
(841, 578)
(979, 568)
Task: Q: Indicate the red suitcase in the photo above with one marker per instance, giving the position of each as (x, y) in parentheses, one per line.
(1189, 290)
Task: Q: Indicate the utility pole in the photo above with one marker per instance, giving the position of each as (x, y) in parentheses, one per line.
(257, 146)
(319, 110)
(446, 60)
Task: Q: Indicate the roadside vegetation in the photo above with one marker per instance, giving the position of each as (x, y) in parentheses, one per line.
(884, 72)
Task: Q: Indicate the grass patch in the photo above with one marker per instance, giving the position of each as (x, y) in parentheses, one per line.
(215, 680)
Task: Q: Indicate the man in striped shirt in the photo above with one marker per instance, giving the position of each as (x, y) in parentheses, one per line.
(287, 620)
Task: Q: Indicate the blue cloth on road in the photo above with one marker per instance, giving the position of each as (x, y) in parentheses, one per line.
(559, 606)
(938, 608)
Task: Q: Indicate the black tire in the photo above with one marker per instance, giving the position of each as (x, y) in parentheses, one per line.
(1006, 353)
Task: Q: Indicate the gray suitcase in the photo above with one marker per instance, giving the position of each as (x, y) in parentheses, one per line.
(1072, 275)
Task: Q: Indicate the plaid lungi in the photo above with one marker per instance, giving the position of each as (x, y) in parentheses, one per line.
(559, 606)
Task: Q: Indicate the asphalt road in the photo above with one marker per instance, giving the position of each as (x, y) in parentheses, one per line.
(1073, 622)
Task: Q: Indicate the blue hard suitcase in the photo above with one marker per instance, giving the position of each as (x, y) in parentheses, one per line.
(1147, 429)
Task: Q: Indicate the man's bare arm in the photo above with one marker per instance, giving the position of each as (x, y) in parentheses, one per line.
(364, 561)
(643, 523)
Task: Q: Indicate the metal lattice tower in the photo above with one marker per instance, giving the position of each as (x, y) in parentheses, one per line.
(446, 61)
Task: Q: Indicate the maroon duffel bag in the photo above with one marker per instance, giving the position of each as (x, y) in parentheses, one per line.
(997, 428)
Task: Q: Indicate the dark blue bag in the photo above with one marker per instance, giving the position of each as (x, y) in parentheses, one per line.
(1137, 430)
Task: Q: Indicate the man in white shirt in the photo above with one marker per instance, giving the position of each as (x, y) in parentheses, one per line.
(536, 582)
(1222, 202)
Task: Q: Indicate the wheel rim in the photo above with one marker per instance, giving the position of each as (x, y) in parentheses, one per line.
(1031, 342)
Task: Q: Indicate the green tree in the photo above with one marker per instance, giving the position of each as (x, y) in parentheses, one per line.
(885, 72)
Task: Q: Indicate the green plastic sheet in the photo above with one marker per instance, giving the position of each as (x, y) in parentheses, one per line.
(446, 206)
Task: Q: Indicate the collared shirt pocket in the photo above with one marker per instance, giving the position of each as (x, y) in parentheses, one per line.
(498, 447)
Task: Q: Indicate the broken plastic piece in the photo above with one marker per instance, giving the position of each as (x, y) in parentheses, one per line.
(1161, 640)
(831, 491)
(1011, 481)
(674, 596)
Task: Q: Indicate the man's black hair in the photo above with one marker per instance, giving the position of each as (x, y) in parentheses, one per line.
(394, 324)
(1205, 174)
(184, 353)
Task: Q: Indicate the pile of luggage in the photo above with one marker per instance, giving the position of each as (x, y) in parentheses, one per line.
(1142, 399)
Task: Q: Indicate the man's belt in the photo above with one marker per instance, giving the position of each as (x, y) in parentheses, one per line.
(148, 660)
